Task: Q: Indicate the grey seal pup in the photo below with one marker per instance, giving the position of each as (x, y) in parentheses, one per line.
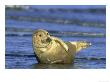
(49, 49)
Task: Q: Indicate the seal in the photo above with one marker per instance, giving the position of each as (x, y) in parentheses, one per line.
(49, 49)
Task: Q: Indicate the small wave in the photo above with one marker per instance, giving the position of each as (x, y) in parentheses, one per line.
(59, 34)
(59, 21)
(84, 58)
(81, 9)
(19, 35)
(91, 58)
(17, 55)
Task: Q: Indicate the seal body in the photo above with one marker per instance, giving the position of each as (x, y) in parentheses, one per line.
(49, 49)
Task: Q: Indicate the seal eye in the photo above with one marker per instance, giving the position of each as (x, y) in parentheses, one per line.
(47, 33)
(40, 35)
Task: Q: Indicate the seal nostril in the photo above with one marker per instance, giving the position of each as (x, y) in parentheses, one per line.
(48, 39)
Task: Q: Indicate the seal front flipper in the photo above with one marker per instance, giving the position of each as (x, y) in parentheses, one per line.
(37, 57)
(60, 42)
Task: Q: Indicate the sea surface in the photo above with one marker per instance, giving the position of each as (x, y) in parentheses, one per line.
(70, 23)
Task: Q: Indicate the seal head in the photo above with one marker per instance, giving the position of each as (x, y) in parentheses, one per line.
(41, 38)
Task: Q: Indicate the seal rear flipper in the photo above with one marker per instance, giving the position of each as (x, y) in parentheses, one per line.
(80, 45)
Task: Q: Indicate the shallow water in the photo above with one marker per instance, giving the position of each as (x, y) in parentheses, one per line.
(70, 23)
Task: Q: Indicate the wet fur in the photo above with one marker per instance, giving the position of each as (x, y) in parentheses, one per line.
(55, 51)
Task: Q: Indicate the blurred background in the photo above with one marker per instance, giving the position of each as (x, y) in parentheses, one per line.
(68, 22)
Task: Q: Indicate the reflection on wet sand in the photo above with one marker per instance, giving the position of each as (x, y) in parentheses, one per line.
(52, 66)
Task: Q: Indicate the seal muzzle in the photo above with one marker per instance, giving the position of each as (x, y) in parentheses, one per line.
(48, 39)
